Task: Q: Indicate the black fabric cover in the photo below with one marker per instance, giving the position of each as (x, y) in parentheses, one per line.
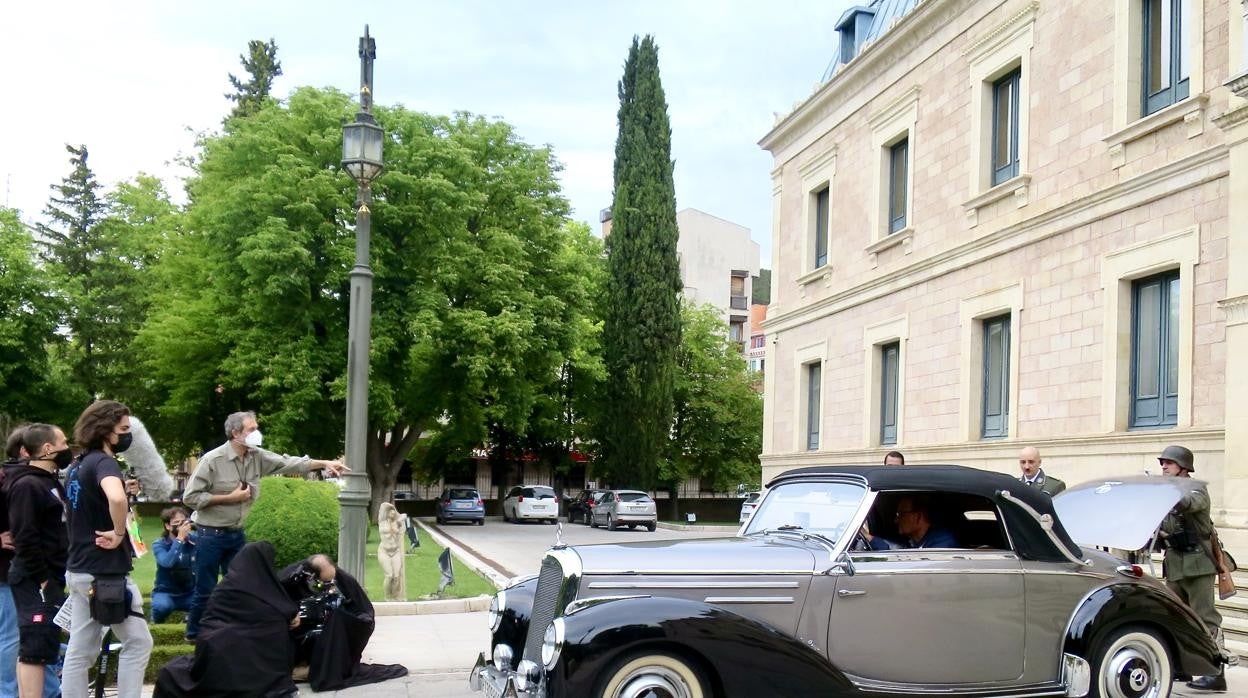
(335, 659)
(244, 646)
(1030, 541)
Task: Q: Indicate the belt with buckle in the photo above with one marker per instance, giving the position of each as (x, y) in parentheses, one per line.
(220, 529)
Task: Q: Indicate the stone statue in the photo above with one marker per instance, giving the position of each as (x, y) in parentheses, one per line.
(391, 524)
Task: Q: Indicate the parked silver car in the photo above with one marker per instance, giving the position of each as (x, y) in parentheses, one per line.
(616, 508)
(805, 601)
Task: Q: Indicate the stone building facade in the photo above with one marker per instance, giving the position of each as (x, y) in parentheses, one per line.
(1001, 223)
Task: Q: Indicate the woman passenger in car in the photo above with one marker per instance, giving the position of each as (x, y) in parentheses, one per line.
(914, 522)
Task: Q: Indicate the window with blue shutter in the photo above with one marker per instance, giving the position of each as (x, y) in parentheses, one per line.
(1155, 351)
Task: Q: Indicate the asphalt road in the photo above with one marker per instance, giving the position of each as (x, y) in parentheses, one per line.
(516, 548)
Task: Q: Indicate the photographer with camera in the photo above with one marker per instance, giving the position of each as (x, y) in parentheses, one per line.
(335, 622)
(1189, 567)
(175, 555)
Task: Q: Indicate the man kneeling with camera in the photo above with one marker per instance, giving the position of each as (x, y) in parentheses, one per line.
(334, 624)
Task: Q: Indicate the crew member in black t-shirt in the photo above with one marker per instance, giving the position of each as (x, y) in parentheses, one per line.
(100, 551)
(36, 504)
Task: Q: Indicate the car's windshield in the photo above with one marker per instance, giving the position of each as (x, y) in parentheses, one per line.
(539, 492)
(463, 494)
(634, 497)
(825, 508)
(753, 498)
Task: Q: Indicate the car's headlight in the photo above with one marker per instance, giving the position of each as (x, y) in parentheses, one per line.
(502, 657)
(528, 675)
(552, 643)
(498, 604)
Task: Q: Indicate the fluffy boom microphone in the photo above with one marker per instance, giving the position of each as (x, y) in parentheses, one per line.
(147, 463)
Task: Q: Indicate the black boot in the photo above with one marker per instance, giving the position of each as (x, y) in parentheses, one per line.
(1215, 682)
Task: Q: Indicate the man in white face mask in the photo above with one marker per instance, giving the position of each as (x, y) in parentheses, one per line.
(221, 490)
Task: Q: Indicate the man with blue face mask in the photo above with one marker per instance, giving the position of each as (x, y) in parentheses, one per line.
(222, 490)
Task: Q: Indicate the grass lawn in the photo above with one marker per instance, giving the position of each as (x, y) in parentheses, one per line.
(422, 569)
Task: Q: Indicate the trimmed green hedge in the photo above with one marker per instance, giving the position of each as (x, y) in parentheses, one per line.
(161, 655)
(299, 517)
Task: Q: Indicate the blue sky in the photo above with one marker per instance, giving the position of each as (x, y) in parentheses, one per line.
(135, 80)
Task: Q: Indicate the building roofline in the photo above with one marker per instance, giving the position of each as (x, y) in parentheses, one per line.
(871, 60)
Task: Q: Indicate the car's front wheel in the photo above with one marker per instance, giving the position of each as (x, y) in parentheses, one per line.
(655, 675)
(1133, 662)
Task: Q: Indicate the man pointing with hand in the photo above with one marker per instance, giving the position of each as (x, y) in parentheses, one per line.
(222, 490)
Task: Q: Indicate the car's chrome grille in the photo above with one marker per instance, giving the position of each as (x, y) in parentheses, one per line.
(546, 602)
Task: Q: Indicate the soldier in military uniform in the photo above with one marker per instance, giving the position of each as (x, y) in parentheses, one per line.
(1188, 567)
(1034, 476)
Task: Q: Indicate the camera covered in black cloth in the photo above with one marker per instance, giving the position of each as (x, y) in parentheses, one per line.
(317, 600)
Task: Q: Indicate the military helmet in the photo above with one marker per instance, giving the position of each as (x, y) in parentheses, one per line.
(1179, 455)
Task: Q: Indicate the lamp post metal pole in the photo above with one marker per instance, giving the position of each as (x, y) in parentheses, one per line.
(354, 497)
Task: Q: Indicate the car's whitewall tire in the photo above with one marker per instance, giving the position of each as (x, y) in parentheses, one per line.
(1133, 662)
(655, 674)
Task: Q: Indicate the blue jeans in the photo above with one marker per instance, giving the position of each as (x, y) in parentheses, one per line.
(215, 548)
(164, 603)
(8, 651)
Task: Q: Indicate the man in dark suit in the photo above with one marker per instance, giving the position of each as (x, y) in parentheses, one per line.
(1034, 475)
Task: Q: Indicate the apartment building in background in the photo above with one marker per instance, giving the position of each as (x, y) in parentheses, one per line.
(1001, 223)
(718, 262)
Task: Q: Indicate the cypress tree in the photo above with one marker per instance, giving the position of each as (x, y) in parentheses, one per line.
(641, 330)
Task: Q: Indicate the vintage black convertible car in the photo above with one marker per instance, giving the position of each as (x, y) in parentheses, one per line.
(999, 600)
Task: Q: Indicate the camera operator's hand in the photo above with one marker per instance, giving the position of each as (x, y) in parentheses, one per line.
(185, 530)
(294, 622)
(132, 487)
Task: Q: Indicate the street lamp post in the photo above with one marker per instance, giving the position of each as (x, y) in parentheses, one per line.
(361, 157)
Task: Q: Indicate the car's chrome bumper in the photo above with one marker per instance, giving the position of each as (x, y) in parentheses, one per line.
(485, 677)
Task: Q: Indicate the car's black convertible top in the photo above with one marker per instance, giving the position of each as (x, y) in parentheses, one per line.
(1030, 541)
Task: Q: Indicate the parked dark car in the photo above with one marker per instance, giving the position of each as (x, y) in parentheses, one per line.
(460, 504)
(581, 507)
(403, 496)
(798, 604)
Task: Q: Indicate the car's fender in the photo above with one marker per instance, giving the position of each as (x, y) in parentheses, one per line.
(1116, 605)
(514, 626)
(739, 656)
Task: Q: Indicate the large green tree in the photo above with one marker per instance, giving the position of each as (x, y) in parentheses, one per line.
(89, 269)
(561, 420)
(641, 329)
(470, 302)
(718, 427)
(34, 383)
(262, 69)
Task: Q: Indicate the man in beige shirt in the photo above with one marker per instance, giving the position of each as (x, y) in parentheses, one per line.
(222, 490)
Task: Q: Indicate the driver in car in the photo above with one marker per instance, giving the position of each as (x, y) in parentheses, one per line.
(914, 523)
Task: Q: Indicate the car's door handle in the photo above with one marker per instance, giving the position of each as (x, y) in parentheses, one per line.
(849, 592)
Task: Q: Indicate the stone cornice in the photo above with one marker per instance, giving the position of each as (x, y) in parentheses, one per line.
(1002, 34)
(1239, 84)
(1231, 119)
(865, 71)
(1236, 310)
(1082, 443)
(1192, 170)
